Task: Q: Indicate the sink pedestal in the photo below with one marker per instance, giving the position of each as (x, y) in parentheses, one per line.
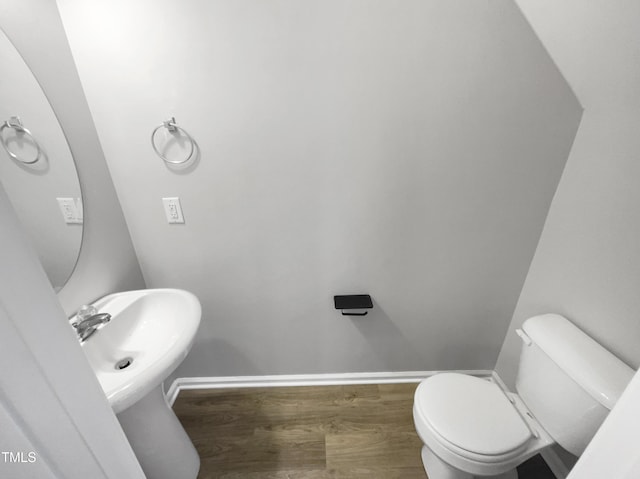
(150, 333)
(158, 439)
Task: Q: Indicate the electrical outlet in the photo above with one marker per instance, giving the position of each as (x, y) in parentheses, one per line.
(173, 210)
(79, 210)
(71, 209)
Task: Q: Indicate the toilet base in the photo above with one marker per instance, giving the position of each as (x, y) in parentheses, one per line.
(436, 468)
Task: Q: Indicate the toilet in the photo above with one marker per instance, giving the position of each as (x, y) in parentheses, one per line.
(565, 387)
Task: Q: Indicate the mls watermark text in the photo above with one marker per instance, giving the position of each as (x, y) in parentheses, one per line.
(18, 457)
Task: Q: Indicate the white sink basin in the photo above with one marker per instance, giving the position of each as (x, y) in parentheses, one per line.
(153, 329)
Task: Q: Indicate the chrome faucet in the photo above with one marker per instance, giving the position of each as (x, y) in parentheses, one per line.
(89, 321)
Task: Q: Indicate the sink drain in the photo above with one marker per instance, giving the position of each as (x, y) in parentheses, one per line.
(123, 363)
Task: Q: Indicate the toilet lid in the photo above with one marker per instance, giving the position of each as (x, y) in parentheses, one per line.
(471, 413)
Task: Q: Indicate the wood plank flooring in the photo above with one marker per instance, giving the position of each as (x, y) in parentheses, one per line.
(339, 432)
(304, 432)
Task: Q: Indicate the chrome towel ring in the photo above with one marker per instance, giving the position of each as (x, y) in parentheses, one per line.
(172, 127)
(15, 123)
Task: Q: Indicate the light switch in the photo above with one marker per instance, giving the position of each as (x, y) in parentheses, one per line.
(173, 210)
(71, 209)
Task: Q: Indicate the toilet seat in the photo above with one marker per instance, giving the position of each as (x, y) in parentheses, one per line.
(472, 424)
(472, 414)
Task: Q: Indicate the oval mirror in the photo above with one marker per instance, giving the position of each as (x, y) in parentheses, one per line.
(36, 168)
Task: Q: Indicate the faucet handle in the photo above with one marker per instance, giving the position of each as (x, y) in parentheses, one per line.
(86, 311)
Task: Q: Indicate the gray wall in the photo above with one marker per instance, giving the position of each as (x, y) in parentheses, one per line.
(587, 264)
(107, 261)
(405, 149)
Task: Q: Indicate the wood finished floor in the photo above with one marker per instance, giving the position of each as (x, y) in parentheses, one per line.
(342, 432)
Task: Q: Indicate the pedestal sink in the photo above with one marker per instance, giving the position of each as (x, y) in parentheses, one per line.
(150, 333)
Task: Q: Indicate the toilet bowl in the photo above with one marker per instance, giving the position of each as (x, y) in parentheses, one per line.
(566, 385)
(471, 427)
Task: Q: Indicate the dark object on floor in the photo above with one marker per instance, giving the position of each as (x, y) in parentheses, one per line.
(535, 468)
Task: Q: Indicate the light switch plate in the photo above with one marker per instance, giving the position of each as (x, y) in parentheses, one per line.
(173, 210)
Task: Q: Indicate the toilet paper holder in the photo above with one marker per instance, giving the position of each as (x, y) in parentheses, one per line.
(353, 304)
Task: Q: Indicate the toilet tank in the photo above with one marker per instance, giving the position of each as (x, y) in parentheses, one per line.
(567, 380)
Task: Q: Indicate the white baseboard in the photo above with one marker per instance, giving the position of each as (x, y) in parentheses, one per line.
(302, 380)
